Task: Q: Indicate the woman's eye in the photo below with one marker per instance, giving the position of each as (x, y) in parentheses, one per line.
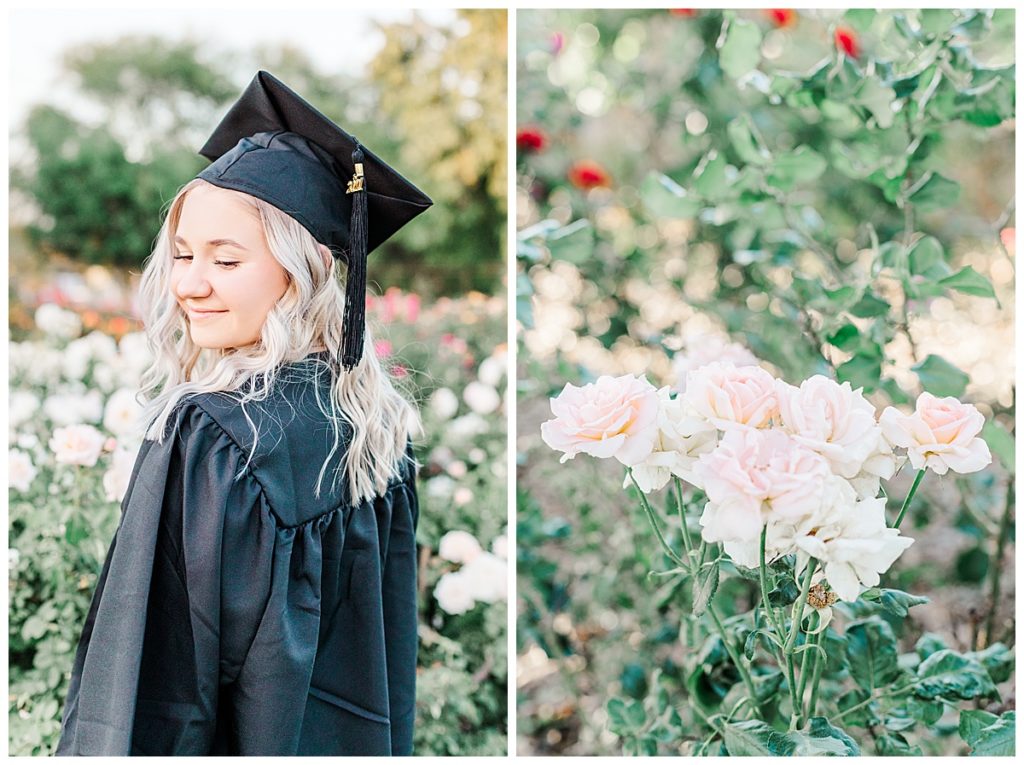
(182, 257)
(226, 263)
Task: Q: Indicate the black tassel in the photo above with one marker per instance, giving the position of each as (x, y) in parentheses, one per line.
(355, 289)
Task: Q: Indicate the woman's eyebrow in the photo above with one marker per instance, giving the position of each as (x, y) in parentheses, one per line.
(214, 243)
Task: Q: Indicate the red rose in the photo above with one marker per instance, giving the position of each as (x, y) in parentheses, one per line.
(782, 17)
(687, 13)
(587, 174)
(530, 139)
(846, 41)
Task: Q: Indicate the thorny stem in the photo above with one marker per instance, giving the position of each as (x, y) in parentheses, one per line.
(910, 496)
(997, 562)
(804, 668)
(744, 672)
(818, 668)
(772, 616)
(654, 524)
(798, 607)
(687, 542)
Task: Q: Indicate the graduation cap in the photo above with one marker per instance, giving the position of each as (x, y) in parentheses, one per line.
(275, 146)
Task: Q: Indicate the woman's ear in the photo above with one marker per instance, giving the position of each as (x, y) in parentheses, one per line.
(325, 253)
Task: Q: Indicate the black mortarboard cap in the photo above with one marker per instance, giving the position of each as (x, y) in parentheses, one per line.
(275, 146)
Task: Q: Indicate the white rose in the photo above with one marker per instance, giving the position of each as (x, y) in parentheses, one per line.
(459, 546)
(487, 577)
(453, 593)
(481, 398)
(467, 426)
(832, 419)
(123, 412)
(462, 496)
(77, 444)
(20, 470)
(444, 403)
(492, 370)
(855, 546)
(13, 556)
(706, 349)
(22, 405)
(440, 487)
(54, 320)
(941, 434)
(733, 397)
(117, 478)
(74, 406)
(682, 437)
(500, 546)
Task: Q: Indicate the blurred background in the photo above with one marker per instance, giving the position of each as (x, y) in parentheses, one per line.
(107, 112)
(832, 192)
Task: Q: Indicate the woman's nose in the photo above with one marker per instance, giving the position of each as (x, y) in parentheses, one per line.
(193, 283)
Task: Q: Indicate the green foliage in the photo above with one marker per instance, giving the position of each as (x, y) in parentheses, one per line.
(987, 734)
(949, 675)
(101, 187)
(752, 738)
(871, 653)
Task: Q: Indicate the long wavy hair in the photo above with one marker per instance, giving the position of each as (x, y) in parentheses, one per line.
(307, 318)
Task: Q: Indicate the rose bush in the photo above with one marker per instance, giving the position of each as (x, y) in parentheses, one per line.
(799, 191)
(73, 444)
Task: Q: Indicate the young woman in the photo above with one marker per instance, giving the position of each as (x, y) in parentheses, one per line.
(259, 597)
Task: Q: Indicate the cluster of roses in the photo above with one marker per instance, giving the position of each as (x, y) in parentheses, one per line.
(482, 578)
(806, 462)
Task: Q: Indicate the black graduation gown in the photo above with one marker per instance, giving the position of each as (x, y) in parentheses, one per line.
(248, 616)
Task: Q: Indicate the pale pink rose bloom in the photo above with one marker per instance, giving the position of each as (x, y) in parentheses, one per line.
(116, 480)
(682, 437)
(855, 548)
(459, 547)
(755, 476)
(941, 434)
(838, 497)
(730, 396)
(832, 419)
(77, 445)
(706, 349)
(613, 417)
(880, 463)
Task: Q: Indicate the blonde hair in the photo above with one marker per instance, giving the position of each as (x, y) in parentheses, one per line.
(307, 317)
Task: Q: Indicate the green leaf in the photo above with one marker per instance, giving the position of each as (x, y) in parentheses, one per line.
(705, 585)
(823, 739)
(846, 338)
(625, 717)
(871, 653)
(997, 659)
(928, 644)
(742, 136)
(936, 193)
(972, 722)
(574, 242)
(710, 179)
(863, 716)
(896, 602)
(741, 50)
(877, 99)
(925, 255)
(924, 711)
(994, 740)
(870, 306)
(753, 737)
(937, 21)
(949, 675)
(801, 165)
(665, 198)
(864, 370)
(1000, 443)
(970, 282)
(893, 744)
(940, 378)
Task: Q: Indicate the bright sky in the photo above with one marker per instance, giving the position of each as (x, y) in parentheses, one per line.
(335, 40)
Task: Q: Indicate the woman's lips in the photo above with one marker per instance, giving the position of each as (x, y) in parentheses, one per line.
(198, 315)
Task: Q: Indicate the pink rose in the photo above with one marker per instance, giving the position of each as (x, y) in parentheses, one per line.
(754, 476)
(832, 419)
(941, 434)
(613, 417)
(730, 396)
(77, 445)
(705, 349)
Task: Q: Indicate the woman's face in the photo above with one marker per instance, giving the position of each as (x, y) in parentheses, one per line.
(224, 277)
